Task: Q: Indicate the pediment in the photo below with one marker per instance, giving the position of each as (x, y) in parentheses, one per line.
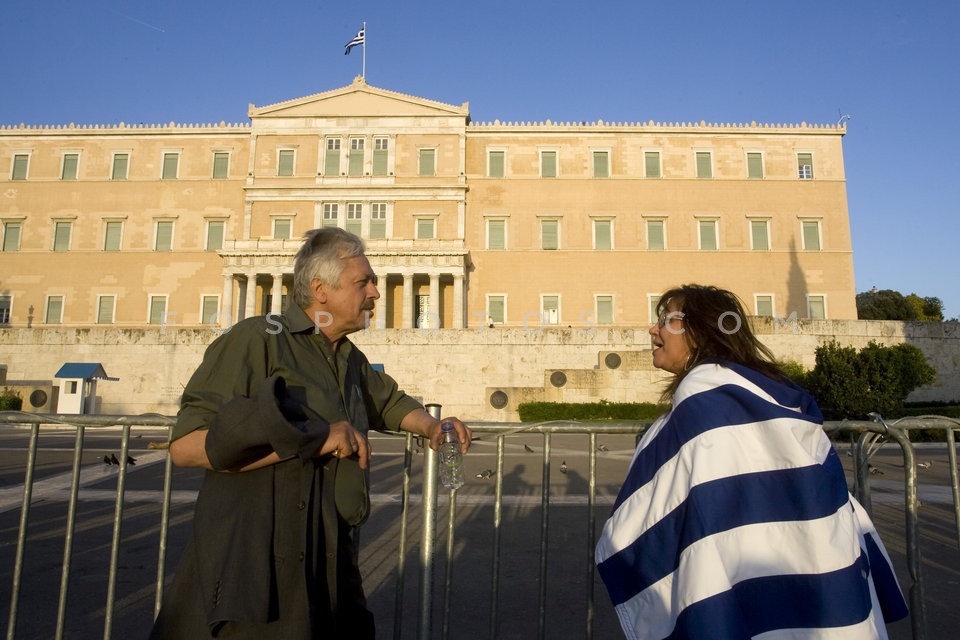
(358, 99)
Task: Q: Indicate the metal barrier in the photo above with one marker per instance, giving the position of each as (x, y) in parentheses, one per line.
(866, 432)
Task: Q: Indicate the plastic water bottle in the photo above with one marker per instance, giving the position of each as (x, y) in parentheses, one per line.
(451, 460)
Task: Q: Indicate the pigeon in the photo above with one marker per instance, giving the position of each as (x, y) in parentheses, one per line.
(875, 471)
(486, 473)
(528, 448)
(131, 460)
(106, 460)
(563, 466)
(602, 447)
(924, 465)
(113, 459)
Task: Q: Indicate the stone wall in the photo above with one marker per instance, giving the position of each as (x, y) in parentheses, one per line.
(478, 374)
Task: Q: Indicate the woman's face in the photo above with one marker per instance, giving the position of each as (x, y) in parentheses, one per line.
(670, 348)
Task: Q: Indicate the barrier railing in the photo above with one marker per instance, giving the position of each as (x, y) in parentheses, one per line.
(866, 433)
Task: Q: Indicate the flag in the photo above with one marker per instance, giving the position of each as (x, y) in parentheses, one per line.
(735, 521)
(358, 39)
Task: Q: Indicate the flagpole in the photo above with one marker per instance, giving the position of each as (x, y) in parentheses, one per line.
(363, 67)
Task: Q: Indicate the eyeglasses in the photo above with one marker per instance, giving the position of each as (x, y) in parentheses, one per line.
(666, 317)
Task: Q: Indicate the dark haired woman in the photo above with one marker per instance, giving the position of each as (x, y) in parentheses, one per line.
(735, 520)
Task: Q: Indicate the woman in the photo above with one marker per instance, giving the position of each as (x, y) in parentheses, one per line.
(735, 519)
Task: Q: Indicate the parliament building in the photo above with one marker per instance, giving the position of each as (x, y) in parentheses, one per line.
(467, 224)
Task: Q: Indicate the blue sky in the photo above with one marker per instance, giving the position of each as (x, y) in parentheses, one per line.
(890, 65)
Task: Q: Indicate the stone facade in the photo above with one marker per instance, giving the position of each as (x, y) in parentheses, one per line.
(468, 223)
(478, 374)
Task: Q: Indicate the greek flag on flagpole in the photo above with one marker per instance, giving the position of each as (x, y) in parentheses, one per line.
(357, 40)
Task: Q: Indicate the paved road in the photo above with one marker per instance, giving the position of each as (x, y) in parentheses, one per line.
(568, 554)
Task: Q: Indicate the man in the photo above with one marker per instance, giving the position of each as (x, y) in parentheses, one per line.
(278, 413)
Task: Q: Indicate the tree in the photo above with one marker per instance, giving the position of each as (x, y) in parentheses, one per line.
(884, 304)
(928, 309)
(852, 384)
(887, 304)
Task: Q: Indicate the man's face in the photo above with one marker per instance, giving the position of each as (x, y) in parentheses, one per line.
(350, 305)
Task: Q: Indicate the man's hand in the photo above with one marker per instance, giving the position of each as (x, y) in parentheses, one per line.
(345, 441)
(464, 435)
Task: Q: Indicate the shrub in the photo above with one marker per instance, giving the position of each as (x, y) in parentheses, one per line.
(851, 384)
(794, 370)
(10, 400)
(589, 411)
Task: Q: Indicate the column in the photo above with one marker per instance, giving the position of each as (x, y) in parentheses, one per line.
(226, 304)
(276, 293)
(407, 299)
(435, 318)
(458, 311)
(250, 308)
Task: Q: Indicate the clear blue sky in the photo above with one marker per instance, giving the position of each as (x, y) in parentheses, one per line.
(891, 65)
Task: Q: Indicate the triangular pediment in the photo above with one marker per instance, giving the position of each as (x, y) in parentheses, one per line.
(358, 99)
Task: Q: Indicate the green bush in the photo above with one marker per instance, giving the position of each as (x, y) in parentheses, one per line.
(850, 384)
(10, 400)
(794, 370)
(590, 411)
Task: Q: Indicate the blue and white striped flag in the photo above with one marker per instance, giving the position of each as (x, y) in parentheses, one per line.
(735, 521)
(359, 39)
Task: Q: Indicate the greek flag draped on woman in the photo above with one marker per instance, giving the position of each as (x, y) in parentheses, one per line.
(735, 522)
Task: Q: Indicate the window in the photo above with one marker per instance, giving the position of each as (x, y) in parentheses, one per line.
(425, 228)
(70, 164)
(331, 162)
(21, 162)
(164, 236)
(601, 164)
(754, 164)
(215, 234)
(112, 235)
(496, 163)
(817, 307)
(704, 164)
(120, 165)
(221, 165)
(6, 304)
(378, 221)
(603, 235)
(428, 159)
(654, 300)
(550, 235)
(355, 159)
(760, 235)
(708, 234)
(656, 235)
(550, 309)
(61, 235)
(811, 234)
(764, 304)
(54, 311)
(11, 236)
(355, 218)
(282, 228)
(548, 164)
(381, 150)
(604, 306)
(285, 159)
(496, 235)
(496, 309)
(158, 310)
(331, 214)
(171, 165)
(105, 307)
(805, 166)
(651, 164)
(209, 310)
